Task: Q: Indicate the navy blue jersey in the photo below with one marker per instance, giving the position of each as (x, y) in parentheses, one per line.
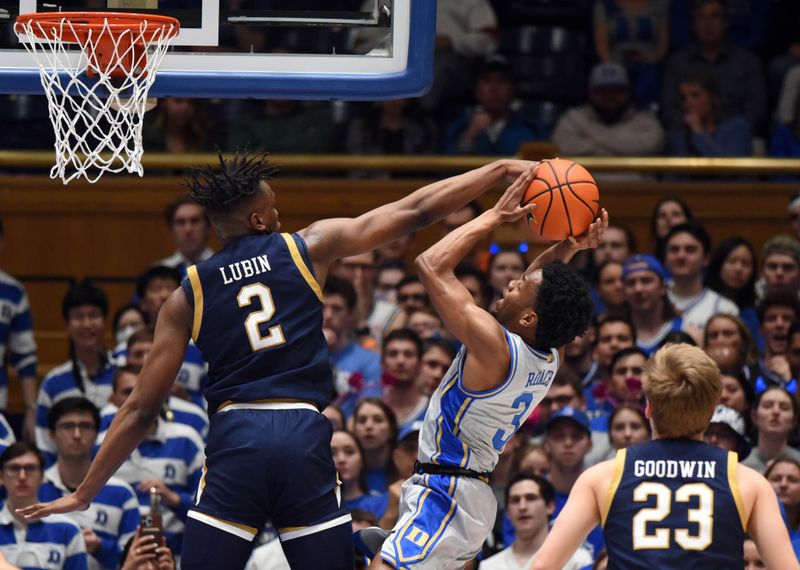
(674, 503)
(258, 322)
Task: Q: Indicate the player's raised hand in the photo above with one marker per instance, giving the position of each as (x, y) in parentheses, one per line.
(590, 239)
(67, 504)
(509, 206)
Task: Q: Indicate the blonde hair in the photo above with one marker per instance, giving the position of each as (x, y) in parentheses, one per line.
(683, 385)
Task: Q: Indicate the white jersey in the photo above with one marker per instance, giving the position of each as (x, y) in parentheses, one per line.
(469, 429)
(695, 311)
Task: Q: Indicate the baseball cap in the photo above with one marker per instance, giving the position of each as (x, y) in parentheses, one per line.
(608, 75)
(572, 414)
(411, 429)
(493, 63)
(642, 262)
(735, 422)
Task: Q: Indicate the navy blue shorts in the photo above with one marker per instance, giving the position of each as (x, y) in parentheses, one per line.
(270, 465)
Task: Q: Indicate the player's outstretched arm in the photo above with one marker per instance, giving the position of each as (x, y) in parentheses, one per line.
(579, 516)
(477, 329)
(334, 238)
(565, 250)
(135, 419)
(765, 524)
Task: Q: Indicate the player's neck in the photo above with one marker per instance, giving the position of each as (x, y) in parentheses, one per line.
(687, 286)
(72, 470)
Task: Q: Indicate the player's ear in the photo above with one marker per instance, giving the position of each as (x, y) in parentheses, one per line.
(529, 319)
(648, 413)
(257, 222)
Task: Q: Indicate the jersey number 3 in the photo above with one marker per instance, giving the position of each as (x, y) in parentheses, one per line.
(522, 403)
(702, 516)
(256, 318)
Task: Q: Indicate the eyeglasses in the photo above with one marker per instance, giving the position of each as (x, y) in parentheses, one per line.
(15, 469)
(69, 427)
(412, 297)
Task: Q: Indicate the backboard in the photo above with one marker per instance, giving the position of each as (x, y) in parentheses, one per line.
(267, 49)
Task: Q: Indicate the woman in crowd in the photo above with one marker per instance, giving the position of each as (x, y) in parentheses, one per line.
(775, 418)
(706, 132)
(726, 331)
(627, 425)
(348, 456)
(784, 476)
(732, 273)
(375, 427)
(667, 213)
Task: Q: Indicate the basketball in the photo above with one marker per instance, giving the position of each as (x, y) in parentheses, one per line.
(566, 197)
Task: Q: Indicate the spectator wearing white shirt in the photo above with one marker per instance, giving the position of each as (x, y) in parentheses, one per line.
(686, 253)
(529, 504)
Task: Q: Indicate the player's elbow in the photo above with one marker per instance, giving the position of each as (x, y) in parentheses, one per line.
(425, 264)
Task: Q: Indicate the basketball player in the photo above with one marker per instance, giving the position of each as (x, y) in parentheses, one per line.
(674, 502)
(503, 371)
(255, 311)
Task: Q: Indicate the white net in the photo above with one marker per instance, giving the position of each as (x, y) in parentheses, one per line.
(96, 79)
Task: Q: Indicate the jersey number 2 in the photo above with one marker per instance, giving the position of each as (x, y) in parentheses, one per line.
(256, 318)
(702, 516)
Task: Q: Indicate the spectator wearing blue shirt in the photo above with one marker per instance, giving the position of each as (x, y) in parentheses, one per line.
(358, 370)
(53, 543)
(495, 125)
(568, 440)
(706, 132)
(89, 370)
(170, 459)
(113, 515)
(17, 344)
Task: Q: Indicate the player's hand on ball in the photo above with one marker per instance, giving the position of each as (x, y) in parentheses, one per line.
(590, 239)
(509, 206)
(515, 168)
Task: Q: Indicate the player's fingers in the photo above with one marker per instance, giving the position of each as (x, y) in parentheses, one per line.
(37, 511)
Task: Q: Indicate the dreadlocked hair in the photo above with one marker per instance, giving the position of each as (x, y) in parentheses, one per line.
(563, 305)
(224, 188)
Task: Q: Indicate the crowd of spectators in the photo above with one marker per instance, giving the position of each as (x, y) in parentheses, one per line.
(705, 78)
(389, 351)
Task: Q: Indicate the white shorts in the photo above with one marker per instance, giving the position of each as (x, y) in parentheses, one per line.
(443, 523)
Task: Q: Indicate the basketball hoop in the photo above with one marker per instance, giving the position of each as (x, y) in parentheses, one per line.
(96, 69)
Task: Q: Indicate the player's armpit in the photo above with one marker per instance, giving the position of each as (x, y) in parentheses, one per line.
(579, 516)
(766, 525)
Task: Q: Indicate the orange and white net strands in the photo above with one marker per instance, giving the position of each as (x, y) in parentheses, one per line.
(96, 78)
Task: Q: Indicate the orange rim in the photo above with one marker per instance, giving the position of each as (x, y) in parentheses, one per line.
(49, 25)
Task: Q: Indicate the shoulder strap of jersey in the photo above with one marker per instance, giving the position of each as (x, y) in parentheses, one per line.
(197, 295)
(733, 483)
(619, 468)
(301, 265)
